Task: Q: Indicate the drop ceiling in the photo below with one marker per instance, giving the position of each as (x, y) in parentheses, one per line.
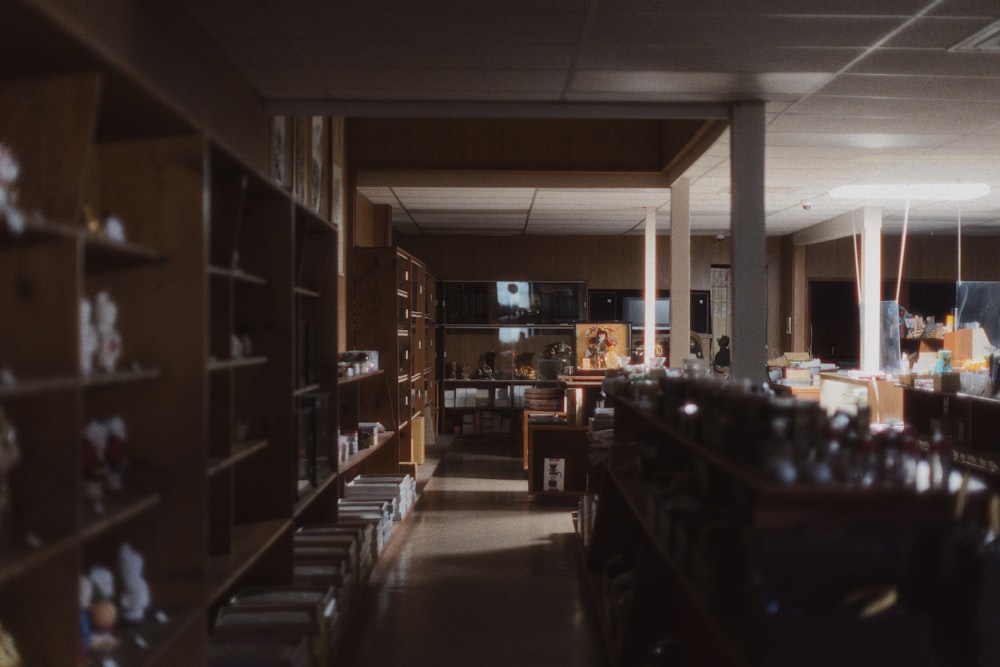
(856, 92)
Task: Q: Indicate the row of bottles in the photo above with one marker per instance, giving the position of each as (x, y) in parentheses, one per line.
(797, 442)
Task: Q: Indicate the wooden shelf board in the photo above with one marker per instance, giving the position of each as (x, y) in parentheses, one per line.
(308, 389)
(359, 458)
(358, 378)
(156, 636)
(37, 229)
(305, 291)
(39, 385)
(782, 506)
(236, 274)
(311, 494)
(19, 560)
(226, 364)
(118, 508)
(98, 380)
(240, 451)
(102, 253)
(318, 225)
(250, 542)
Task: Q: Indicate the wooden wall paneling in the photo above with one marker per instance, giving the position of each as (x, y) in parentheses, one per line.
(265, 483)
(157, 189)
(45, 485)
(928, 257)
(774, 300)
(49, 122)
(37, 600)
(830, 260)
(219, 516)
(40, 286)
(558, 144)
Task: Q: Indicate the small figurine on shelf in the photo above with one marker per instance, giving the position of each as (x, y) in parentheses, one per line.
(601, 347)
(10, 168)
(86, 599)
(103, 612)
(135, 597)
(235, 347)
(524, 365)
(114, 453)
(114, 229)
(91, 219)
(9, 657)
(110, 340)
(563, 352)
(95, 450)
(487, 364)
(10, 454)
(89, 339)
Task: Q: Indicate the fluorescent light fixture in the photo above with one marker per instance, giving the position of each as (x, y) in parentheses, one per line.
(913, 191)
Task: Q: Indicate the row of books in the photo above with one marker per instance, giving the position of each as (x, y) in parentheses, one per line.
(302, 624)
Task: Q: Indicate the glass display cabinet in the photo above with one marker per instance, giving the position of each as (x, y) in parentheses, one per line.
(499, 340)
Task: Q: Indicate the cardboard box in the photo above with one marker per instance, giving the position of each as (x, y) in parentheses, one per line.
(947, 382)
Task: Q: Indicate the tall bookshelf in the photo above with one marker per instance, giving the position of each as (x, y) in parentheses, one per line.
(218, 272)
(395, 287)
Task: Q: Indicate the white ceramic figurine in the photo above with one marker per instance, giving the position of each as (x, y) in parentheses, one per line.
(135, 597)
(89, 340)
(110, 341)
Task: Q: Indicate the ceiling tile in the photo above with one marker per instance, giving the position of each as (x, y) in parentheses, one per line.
(741, 32)
(859, 108)
(983, 8)
(907, 109)
(242, 19)
(719, 58)
(790, 7)
(445, 55)
(716, 85)
(927, 62)
(873, 127)
(953, 88)
(376, 25)
(937, 33)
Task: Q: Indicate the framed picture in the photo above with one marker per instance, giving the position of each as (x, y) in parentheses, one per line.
(319, 165)
(302, 146)
(337, 195)
(601, 345)
(281, 150)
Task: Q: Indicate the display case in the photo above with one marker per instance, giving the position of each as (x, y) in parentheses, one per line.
(506, 352)
(507, 302)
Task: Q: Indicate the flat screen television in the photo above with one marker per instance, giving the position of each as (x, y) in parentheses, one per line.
(633, 311)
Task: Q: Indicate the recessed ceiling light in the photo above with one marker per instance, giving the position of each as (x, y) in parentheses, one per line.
(913, 191)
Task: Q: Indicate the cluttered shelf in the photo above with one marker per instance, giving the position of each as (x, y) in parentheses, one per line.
(743, 496)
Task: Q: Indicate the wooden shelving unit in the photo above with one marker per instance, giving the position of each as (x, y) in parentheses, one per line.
(395, 286)
(219, 270)
(660, 584)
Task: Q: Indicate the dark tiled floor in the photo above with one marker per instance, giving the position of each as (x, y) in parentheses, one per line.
(479, 575)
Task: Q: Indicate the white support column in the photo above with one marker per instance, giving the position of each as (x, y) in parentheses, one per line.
(680, 271)
(649, 288)
(746, 150)
(871, 290)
